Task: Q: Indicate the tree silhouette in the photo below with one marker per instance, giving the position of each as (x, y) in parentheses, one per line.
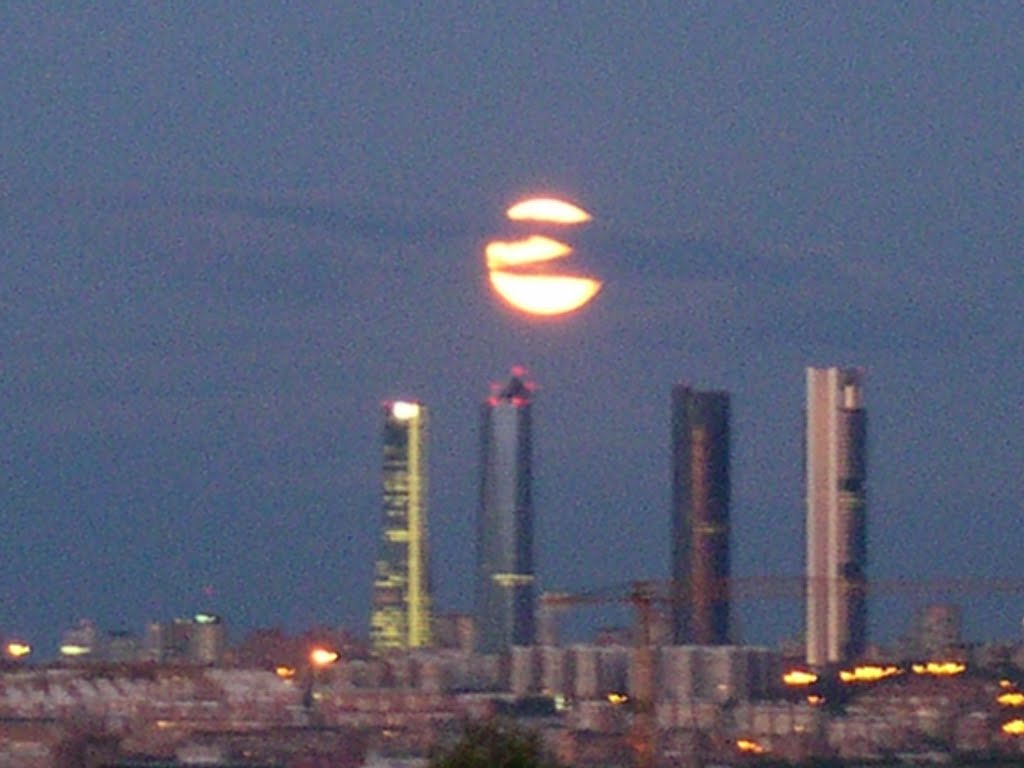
(495, 744)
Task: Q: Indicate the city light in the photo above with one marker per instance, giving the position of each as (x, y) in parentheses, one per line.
(868, 673)
(404, 410)
(799, 677)
(17, 650)
(284, 672)
(1011, 699)
(1014, 727)
(750, 747)
(73, 649)
(939, 668)
(321, 657)
(618, 698)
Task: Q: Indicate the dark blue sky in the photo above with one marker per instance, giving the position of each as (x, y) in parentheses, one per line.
(231, 230)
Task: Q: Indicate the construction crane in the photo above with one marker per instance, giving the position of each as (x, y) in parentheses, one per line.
(648, 598)
(642, 596)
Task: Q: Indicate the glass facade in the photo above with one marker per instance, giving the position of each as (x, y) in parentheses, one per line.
(700, 517)
(504, 583)
(401, 585)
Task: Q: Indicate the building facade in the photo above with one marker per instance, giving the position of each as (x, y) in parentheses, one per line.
(700, 517)
(836, 470)
(401, 609)
(505, 577)
(937, 632)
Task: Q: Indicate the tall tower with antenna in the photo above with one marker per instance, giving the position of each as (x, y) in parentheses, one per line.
(505, 577)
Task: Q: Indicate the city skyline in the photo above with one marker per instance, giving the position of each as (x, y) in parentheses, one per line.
(228, 236)
(694, 415)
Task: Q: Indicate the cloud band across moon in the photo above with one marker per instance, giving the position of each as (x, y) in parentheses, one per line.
(518, 270)
(610, 248)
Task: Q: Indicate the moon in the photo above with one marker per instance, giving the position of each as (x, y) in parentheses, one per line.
(548, 209)
(517, 269)
(544, 294)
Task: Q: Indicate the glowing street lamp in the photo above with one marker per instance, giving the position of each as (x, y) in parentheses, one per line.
(750, 747)
(799, 678)
(1011, 699)
(17, 650)
(322, 657)
(868, 673)
(939, 668)
(319, 658)
(1014, 728)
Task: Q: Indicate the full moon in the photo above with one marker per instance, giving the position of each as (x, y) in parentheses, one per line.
(517, 268)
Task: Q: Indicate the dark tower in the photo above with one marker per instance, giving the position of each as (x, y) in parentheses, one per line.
(700, 516)
(504, 588)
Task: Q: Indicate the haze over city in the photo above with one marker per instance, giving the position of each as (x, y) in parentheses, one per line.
(231, 232)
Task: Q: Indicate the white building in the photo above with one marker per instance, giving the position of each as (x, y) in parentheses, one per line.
(836, 467)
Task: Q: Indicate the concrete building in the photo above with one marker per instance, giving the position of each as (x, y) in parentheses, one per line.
(719, 673)
(206, 641)
(83, 642)
(505, 578)
(401, 607)
(938, 631)
(455, 630)
(700, 517)
(836, 475)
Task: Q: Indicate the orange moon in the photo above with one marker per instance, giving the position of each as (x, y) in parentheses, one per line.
(512, 266)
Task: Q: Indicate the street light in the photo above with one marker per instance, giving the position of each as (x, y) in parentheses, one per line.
(319, 658)
(284, 672)
(17, 650)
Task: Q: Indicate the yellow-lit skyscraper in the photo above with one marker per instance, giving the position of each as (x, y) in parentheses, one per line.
(836, 467)
(401, 582)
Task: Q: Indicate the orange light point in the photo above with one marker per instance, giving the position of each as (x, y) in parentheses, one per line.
(321, 657)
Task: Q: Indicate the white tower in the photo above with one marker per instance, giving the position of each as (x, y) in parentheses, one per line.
(835, 463)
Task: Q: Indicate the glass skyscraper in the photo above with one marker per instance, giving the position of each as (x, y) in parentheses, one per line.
(504, 582)
(401, 583)
(700, 517)
(836, 466)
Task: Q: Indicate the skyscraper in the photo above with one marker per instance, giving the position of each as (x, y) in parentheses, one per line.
(504, 582)
(836, 467)
(700, 516)
(401, 583)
